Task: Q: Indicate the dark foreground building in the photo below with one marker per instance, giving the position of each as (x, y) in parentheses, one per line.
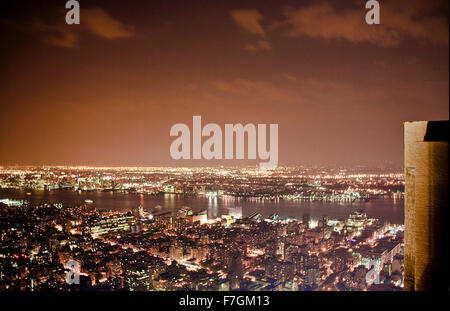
(426, 205)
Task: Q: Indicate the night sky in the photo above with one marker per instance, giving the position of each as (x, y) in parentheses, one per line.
(107, 91)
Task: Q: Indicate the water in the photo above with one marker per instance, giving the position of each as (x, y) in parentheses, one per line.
(386, 209)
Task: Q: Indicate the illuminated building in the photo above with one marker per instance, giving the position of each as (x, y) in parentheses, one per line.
(306, 219)
(139, 212)
(138, 278)
(176, 250)
(167, 221)
(115, 223)
(236, 212)
(280, 270)
(250, 253)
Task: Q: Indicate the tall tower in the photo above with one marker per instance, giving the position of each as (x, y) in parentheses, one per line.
(235, 272)
(426, 204)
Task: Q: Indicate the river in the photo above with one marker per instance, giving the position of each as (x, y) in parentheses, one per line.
(387, 209)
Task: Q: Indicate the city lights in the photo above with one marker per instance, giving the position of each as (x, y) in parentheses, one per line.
(158, 247)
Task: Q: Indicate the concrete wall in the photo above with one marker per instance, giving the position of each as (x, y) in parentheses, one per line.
(426, 203)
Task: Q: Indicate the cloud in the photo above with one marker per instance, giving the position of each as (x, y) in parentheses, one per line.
(258, 46)
(400, 20)
(249, 20)
(100, 23)
(58, 35)
(289, 77)
(300, 90)
(94, 21)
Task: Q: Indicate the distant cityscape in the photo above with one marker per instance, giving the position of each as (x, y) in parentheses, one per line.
(184, 249)
(288, 183)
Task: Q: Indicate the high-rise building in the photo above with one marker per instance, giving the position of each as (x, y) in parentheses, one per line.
(306, 219)
(235, 272)
(426, 204)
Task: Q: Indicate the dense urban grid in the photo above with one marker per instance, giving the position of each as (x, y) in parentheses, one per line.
(152, 249)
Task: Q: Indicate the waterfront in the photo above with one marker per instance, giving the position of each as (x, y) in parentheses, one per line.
(387, 209)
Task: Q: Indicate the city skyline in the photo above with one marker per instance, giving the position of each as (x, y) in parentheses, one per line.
(106, 92)
(201, 229)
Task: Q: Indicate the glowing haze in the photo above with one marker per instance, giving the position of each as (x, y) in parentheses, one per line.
(107, 91)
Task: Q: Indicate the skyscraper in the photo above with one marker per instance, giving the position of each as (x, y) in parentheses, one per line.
(426, 204)
(235, 272)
